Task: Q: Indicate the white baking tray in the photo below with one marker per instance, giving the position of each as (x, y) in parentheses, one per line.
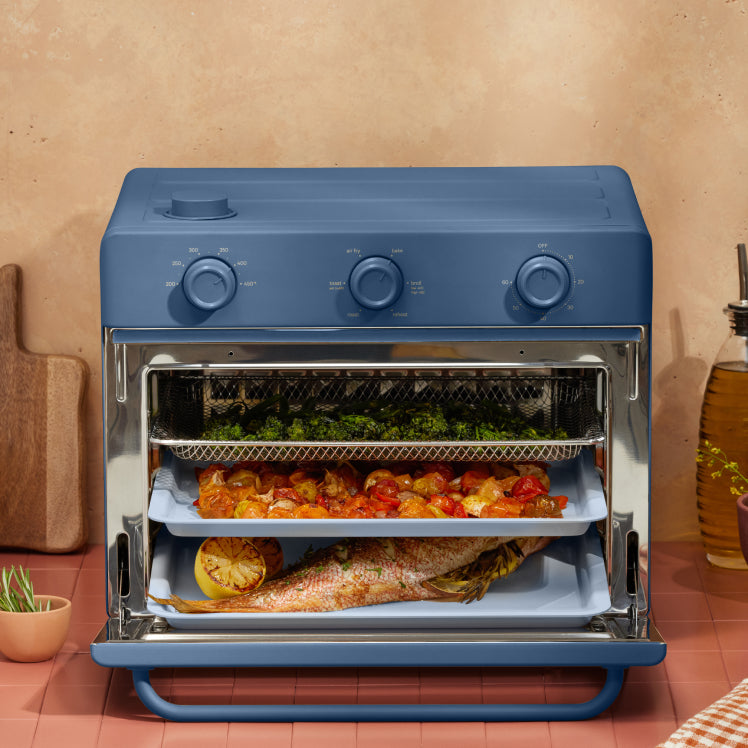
(175, 491)
(561, 586)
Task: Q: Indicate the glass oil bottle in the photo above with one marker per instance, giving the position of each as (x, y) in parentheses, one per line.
(724, 426)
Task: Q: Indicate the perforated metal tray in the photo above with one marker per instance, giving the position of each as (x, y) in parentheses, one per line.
(550, 403)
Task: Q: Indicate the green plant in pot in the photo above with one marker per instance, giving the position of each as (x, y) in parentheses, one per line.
(32, 627)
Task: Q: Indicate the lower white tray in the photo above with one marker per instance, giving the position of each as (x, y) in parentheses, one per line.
(175, 491)
(564, 585)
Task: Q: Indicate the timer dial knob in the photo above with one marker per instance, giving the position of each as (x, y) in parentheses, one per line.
(376, 282)
(209, 283)
(543, 282)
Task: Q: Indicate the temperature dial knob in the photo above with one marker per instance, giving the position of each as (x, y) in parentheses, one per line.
(376, 282)
(209, 283)
(543, 282)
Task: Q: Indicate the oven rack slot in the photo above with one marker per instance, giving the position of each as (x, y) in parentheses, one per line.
(222, 417)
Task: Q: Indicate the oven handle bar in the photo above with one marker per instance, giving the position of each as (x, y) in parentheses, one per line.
(378, 712)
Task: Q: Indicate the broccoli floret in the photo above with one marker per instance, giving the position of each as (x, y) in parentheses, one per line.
(426, 424)
(462, 431)
(297, 430)
(318, 428)
(488, 432)
(532, 434)
(391, 434)
(359, 428)
(376, 420)
(338, 432)
(224, 432)
(273, 430)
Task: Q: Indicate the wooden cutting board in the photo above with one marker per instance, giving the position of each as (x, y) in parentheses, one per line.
(42, 502)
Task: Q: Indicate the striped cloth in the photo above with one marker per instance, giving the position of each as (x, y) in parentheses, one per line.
(723, 724)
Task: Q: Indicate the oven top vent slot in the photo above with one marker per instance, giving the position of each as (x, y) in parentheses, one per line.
(375, 415)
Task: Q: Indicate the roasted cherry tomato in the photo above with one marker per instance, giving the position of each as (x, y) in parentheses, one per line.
(431, 483)
(444, 503)
(219, 503)
(527, 487)
(459, 511)
(298, 476)
(507, 508)
(287, 493)
(251, 510)
(440, 467)
(414, 509)
(357, 507)
(542, 506)
(270, 480)
(213, 474)
(389, 500)
(386, 487)
(310, 511)
(472, 479)
(352, 481)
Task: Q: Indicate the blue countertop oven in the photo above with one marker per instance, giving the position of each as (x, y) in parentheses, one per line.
(423, 305)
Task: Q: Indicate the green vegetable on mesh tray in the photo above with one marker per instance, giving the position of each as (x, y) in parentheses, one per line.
(273, 420)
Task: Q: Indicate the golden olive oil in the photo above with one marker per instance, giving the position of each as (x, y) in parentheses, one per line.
(724, 424)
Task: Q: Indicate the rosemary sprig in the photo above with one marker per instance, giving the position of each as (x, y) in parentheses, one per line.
(714, 456)
(18, 599)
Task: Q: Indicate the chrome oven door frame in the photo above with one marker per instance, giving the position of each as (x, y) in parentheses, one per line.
(621, 637)
(621, 355)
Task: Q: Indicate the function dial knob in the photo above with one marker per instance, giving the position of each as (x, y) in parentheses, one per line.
(376, 282)
(543, 282)
(209, 283)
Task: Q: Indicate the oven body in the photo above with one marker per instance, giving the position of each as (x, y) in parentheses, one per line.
(531, 284)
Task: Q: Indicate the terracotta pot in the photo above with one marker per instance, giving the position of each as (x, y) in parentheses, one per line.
(33, 637)
(743, 524)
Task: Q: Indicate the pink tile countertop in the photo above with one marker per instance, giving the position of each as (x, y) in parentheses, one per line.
(701, 611)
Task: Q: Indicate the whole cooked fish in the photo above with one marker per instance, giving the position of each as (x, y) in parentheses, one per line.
(368, 571)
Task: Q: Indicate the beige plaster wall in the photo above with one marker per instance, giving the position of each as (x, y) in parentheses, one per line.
(92, 89)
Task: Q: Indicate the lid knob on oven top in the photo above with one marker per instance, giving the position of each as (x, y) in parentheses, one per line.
(199, 205)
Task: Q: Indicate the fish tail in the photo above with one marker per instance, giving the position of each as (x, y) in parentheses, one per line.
(187, 606)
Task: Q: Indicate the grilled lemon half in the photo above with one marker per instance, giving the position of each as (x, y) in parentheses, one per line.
(226, 567)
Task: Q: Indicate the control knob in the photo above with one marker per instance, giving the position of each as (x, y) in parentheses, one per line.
(376, 282)
(199, 205)
(543, 282)
(209, 283)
